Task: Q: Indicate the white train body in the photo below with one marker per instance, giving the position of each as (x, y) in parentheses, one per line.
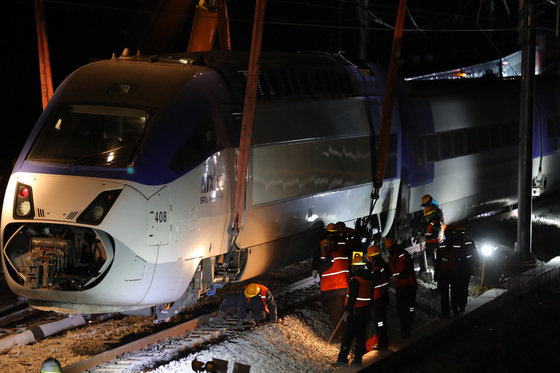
(132, 206)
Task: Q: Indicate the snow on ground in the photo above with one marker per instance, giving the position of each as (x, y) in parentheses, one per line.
(298, 342)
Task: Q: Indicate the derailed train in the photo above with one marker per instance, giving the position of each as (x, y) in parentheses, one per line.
(122, 197)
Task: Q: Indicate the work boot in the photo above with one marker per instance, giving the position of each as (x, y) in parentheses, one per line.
(357, 362)
(219, 316)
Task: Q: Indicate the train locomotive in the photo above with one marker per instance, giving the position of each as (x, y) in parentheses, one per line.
(122, 196)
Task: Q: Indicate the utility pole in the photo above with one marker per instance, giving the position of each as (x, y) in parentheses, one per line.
(527, 38)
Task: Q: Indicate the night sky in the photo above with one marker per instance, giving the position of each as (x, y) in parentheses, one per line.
(439, 35)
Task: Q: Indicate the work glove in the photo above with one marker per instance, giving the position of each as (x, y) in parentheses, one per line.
(345, 316)
(422, 239)
(314, 273)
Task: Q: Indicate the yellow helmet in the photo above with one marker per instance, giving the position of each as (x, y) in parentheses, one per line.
(331, 228)
(426, 200)
(389, 241)
(358, 260)
(373, 250)
(251, 290)
(51, 365)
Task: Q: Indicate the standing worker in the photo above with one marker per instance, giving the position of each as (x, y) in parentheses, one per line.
(380, 275)
(256, 303)
(447, 274)
(356, 312)
(346, 235)
(468, 260)
(403, 278)
(332, 263)
(434, 226)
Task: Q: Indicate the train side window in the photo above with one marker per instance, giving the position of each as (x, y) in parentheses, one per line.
(447, 145)
(460, 142)
(391, 165)
(199, 146)
(483, 136)
(495, 137)
(421, 150)
(432, 148)
(510, 134)
(553, 126)
(471, 138)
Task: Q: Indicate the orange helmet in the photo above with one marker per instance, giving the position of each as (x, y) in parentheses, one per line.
(426, 200)
(358, 260)
(454, 228)
(251, 290)
(331, 228)
(389, 241)
(373, 250)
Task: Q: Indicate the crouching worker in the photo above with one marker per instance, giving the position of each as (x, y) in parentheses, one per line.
(256, 303)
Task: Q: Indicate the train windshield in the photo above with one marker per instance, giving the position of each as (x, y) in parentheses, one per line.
(91, 136)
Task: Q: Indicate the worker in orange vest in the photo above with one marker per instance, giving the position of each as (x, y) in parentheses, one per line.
(381, 274)
(403, 279)
(434, 226)
(256, 303)
(356, 312)
(332, 264)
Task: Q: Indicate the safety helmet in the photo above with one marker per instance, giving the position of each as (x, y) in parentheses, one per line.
(358, 260)
(373, 250)
(341, 227)
(428, 210)
(51, 365)
(454, 228)
(389, 241)
(426, 200)
(331, 228)
(252, 289)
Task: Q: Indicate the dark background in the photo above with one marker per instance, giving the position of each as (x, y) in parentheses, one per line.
(438, 35)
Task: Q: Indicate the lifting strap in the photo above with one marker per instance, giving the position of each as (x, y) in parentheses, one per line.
(388, 106)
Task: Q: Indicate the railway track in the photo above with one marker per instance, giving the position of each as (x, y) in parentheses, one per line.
(171, 343)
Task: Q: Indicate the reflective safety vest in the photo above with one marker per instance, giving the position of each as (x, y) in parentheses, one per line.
(431, 235)
(381, 287)
(363, 299)
(448, 257)
(336, 277)
(397, 264)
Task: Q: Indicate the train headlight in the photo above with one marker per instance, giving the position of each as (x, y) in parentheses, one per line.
(23, 206)
(97, 210)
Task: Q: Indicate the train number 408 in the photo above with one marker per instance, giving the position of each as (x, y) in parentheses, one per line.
(161, 216)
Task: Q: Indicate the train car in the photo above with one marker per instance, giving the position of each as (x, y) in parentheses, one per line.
(122, 197)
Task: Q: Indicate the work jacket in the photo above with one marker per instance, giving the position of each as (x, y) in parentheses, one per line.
(360, 288)
(447, 256)
(434, 231)
(335, 259)
(401, 265)
(381, 274)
